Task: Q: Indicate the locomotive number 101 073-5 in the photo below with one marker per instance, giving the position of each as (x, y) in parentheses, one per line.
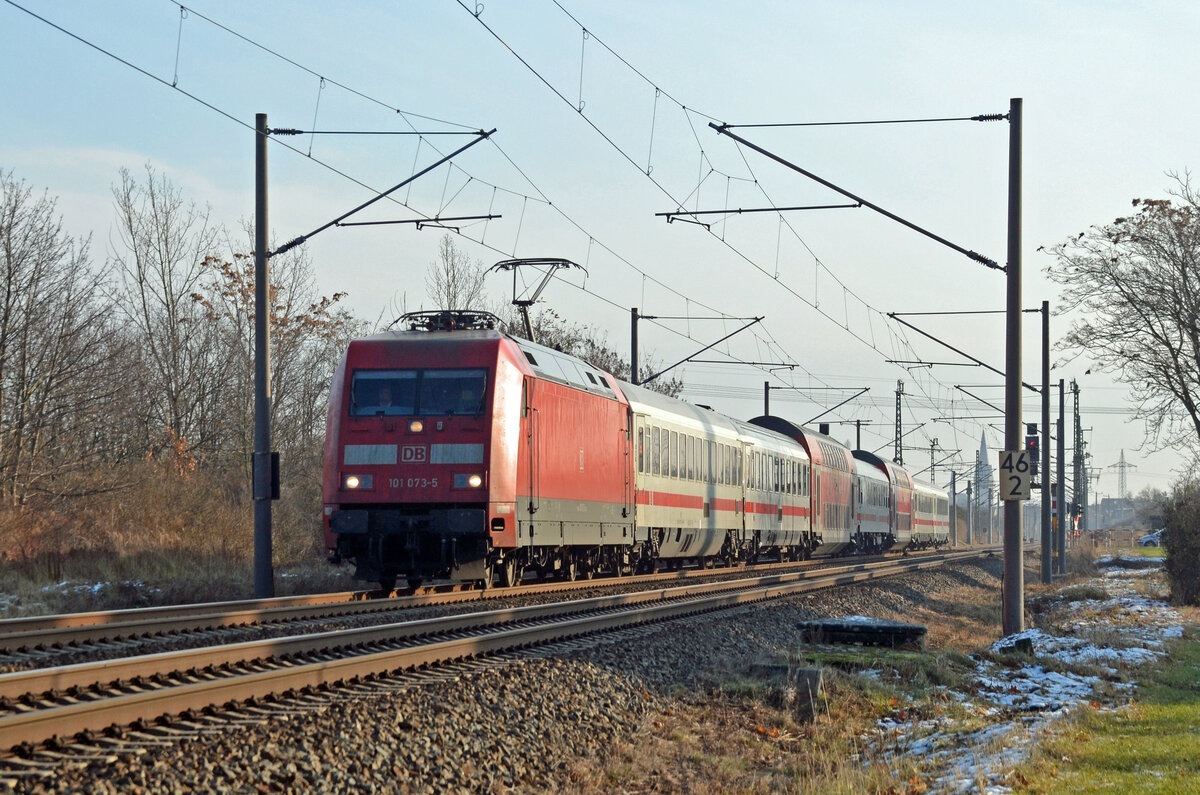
(413, 483)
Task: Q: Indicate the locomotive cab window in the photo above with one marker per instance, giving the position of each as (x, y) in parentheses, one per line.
(430, 392)
(452, 391)
(387, 392)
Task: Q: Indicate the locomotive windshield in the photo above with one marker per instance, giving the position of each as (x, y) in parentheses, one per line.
(427, 392)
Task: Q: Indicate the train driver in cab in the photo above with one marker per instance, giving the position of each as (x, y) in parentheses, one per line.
(385, 404)
(469, 400)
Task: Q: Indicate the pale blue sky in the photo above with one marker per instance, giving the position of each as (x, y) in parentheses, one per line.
(1107, 91)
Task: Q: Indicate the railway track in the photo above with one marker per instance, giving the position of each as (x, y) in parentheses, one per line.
(186, 688)
(41, 641)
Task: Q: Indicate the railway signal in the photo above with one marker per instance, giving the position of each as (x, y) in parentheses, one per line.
(1031, 447)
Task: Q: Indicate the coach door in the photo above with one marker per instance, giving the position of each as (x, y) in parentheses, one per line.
(531, 418)
(893, 508)
(625, 442)
(818, 525)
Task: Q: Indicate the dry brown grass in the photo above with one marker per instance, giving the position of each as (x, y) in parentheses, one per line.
(169, 536)
(968, 618)
(1190, 613)
(726, 744)
(738, 737)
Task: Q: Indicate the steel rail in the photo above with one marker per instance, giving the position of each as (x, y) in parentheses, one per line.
(14, 686)
(41, 724)
(235, 611)
(40, 632)
(25, 624)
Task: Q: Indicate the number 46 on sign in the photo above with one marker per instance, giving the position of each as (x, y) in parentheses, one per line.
(1016, 481)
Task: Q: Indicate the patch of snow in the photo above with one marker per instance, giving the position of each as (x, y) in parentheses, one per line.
(1032, 687)
(1021, 703)
(1079, 651)
(96, 588)
(1119, 560)
(1110, 573)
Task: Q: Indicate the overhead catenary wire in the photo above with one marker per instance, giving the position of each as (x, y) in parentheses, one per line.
(627, 155)
(304, 68)
(688, 111)
(341, 173)
(194, 97)
(248, 126)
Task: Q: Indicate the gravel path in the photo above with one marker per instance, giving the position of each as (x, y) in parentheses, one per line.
(526, 727)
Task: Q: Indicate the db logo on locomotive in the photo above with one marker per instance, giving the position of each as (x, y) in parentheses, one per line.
(413, 454)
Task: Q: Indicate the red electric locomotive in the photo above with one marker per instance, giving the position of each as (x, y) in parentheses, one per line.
(447, 455)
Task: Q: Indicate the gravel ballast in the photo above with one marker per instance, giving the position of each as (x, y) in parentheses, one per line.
(526, 726)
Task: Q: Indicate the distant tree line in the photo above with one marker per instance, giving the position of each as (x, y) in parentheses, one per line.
(118, 369)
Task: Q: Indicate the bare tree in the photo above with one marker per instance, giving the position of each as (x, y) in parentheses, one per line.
(453, 281)
(139, 376)
(1149, 505)
(1136, 282)
(309, 332)
(57, 351)
(160, 265)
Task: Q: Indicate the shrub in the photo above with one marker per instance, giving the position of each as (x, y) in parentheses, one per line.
(1181, 539)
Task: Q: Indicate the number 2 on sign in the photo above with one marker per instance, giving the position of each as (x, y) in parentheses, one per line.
(1015, 479)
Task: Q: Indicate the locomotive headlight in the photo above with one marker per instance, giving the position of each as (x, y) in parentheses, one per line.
(464, 481)
(358, 482)
(416, 426)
